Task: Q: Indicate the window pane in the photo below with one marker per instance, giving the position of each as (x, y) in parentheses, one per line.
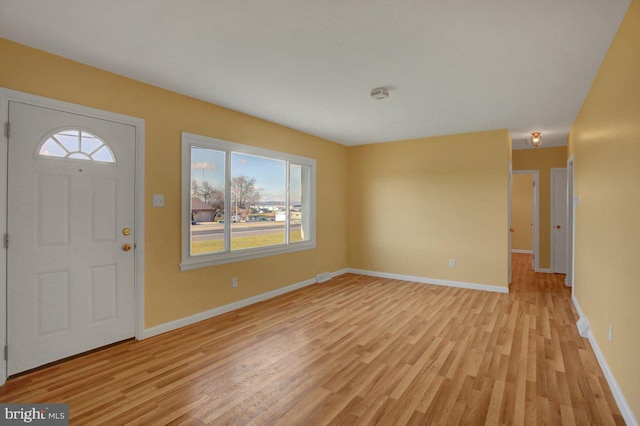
(207, 200)
(51, 148)
(258, 199)
(299, 198)
(90, 143)
(103, 154)
(70, 139)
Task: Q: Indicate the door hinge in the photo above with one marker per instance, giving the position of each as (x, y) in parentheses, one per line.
(6, 241)
(6, 353)
(8, 129)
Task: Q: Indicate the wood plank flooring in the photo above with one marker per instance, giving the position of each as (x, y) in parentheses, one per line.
(353, 350)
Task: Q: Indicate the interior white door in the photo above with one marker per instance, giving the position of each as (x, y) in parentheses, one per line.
(70, 271)
(559, 220)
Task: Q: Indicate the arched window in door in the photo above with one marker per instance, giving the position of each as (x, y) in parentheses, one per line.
(78, 145)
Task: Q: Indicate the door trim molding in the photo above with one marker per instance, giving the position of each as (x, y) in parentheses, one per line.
(510, 224)
(7, 95)
(571, 217)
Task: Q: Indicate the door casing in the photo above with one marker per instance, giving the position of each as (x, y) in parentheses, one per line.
(7, 95)
(510, 223)
(554, 242)
(571, 224)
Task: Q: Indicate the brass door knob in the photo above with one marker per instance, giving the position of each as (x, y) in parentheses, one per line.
(557, 226)
(126, 247)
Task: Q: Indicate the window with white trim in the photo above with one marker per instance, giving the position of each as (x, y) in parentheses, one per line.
(241, 202)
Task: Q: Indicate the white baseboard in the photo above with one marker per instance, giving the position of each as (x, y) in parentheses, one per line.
(566, 281)
(201, 316)
(544, 270)
(623, 405)
(434, 281)
(522, 251)
(583, 322)
(577, 305)
(325, 276)
(339, 272)
(583, 327)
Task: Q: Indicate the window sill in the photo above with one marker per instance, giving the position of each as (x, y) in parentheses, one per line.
(197, 262)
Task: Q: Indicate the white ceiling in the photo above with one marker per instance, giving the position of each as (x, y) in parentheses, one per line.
(451, 66)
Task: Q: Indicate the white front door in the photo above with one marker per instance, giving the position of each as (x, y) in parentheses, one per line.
(559, 220)
(70, 271)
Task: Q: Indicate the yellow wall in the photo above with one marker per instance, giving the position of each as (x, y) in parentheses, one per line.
(605, 141)
(170, 294)
(542, 159)
(415, 204)
(522, 211)
(412, 204)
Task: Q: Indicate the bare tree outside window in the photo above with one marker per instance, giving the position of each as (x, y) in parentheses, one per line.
(244, 193)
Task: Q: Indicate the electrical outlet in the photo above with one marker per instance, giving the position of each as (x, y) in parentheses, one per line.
(610, 332)
(234, 282)
(452, 263)
(158, 200)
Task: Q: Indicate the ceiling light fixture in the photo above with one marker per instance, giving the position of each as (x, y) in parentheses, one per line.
(536, 139)
(379, 93)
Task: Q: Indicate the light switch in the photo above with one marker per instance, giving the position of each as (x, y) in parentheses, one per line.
(158, 200)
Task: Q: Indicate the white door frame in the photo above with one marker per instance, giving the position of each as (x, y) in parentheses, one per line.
(571, 223)
(510, 224)
(7, 95)
(552, 205)
(535, 215)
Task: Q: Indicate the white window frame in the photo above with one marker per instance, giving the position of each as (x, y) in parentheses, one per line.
(190, 262)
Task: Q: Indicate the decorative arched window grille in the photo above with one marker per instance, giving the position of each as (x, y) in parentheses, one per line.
(78, 145)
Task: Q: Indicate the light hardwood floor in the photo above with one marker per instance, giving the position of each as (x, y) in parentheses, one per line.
(353, 350)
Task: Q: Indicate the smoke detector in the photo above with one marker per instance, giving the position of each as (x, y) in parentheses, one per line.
(379, 93)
